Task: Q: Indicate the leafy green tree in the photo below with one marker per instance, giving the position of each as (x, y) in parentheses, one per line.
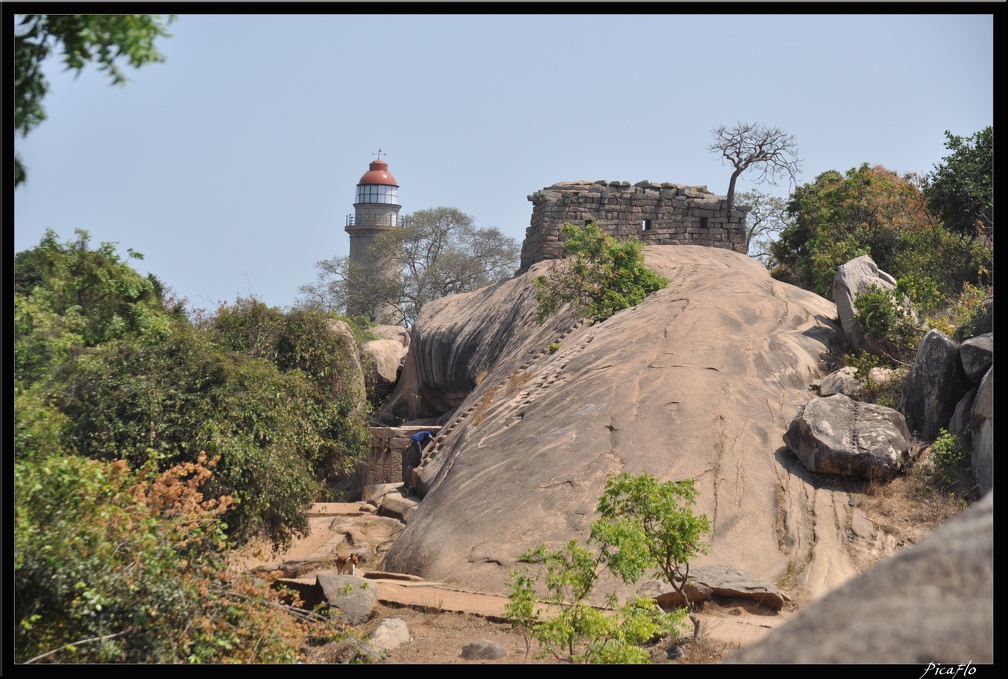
(770, 150)
(644, 525)
(960, 190)
(579, 631)
(884, 317)
(442, 253)
(268, 392)
(598, 275)
(868, 210)
(107, 40)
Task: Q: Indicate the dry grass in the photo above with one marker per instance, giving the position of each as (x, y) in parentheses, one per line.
(517, 380)
(432, 608)
(480, 411)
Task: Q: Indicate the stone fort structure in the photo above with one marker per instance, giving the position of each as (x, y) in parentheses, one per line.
(658, 214)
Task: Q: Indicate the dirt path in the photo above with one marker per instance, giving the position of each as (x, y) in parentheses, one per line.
(442, 619)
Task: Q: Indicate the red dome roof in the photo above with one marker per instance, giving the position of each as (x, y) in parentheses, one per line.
(378, 174)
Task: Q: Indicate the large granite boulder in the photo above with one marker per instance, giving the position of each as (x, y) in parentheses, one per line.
(933, 603)
(699, 381)
(382, 360)
(982, 428)
(977, 355)
(838, 435)
(935, 385)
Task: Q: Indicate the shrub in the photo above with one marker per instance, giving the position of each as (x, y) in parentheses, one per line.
(948, 455)
(578, 631)
(644, 525)
(113, 566)
(885, 316)
(598, 275)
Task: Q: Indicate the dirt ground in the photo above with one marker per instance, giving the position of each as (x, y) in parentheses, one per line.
(442, 621)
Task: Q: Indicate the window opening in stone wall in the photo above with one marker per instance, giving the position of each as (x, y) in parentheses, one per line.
(646, 225)
(703, 222)
(587, 222)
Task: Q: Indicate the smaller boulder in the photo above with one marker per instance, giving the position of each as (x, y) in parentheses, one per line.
(977, 355)
(838, 435)
(353, 596)
(852, 279)
(482, 649)
(391, 633)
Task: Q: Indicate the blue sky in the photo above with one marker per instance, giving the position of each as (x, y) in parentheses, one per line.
(232, 165)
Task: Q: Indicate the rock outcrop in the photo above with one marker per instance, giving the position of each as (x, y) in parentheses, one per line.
(699, 381)
(933, 603)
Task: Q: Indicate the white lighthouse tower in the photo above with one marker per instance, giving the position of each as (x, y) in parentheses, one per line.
(376, 210)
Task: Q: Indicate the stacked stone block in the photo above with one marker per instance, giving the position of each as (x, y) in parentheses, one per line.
(657, 214)
(388, 445)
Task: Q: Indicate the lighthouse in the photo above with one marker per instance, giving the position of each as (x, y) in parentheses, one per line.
(376, 211)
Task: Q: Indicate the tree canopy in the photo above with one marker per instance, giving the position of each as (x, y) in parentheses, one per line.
(770, 150)
(960, 190)
(108, 40)
(268, 391)
(442, 253)
(871, 210)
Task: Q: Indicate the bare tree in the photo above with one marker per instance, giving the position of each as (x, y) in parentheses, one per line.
(766, 219)
(747, 145)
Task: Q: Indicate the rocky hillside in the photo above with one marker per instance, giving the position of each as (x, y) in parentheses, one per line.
(699, 381)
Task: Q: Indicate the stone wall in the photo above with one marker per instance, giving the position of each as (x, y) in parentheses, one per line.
(658, 214)
(388, 444)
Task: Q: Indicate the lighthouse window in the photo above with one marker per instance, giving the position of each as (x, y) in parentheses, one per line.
(377, 193)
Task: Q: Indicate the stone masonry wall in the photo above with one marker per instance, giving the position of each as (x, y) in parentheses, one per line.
(388, 444)
(658, 214)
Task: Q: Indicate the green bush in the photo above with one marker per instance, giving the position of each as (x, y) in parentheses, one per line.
(948, 456)
(598, 275)
(886, 317)
(644, 525)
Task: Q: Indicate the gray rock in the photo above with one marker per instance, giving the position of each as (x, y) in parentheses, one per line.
(396, 333)
(353, 596)
(482, 649)
(734, 584)
(837, 435)
(982, 454)
(382, 361)
(844, 382)
(714, 580)
(397, 506)
(959, 423)
(933, 603)
(853, 278)
(391, 633)
(935, 385)
(977, 355)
